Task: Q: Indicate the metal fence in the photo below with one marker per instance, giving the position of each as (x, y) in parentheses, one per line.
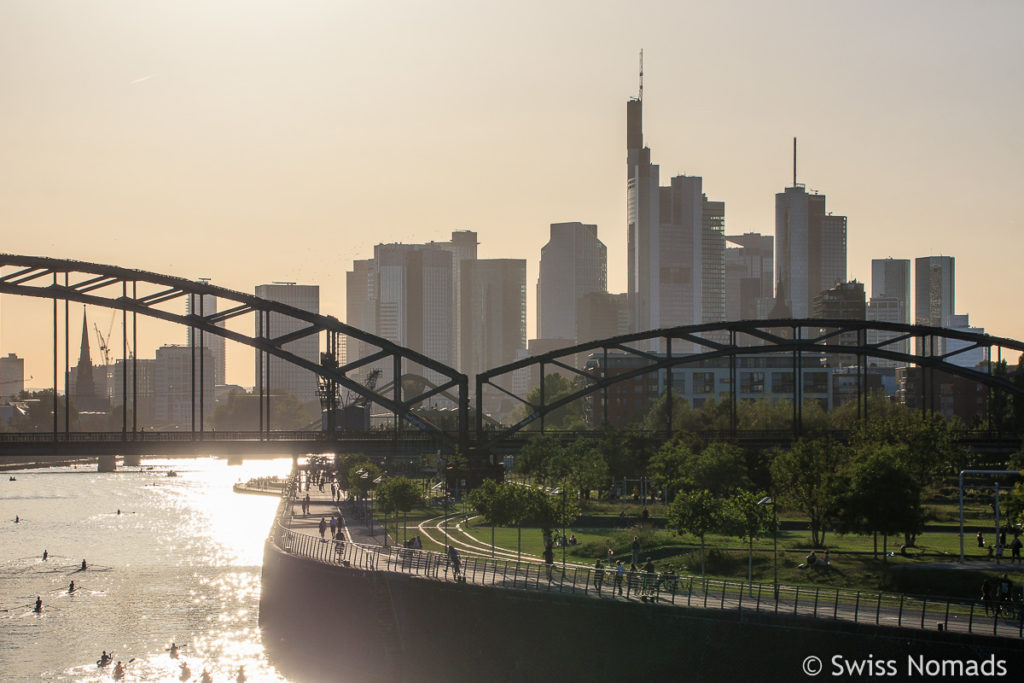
(997, 618)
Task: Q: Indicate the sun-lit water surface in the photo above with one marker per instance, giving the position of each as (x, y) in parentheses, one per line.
(180, 563)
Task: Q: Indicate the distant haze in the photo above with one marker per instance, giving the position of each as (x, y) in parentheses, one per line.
(257, 141)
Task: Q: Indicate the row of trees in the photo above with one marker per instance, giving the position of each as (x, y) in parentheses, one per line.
(762, 414)
(873, 481)
(509, 504)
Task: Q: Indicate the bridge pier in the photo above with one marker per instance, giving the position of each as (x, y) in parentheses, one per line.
(132, 460)
(107, 463)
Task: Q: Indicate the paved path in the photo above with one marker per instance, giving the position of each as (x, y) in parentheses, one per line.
(505, 570)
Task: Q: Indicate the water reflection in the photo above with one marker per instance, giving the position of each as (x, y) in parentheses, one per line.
(181, 562)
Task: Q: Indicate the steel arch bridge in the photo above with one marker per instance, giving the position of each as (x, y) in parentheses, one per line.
(692, 344)
(138, 292)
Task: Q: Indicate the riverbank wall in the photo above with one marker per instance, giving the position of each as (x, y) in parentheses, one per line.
(325, 622)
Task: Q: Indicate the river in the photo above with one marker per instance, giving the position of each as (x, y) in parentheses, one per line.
(180, 563)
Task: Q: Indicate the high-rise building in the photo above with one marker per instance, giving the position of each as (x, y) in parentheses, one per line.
(811, 246)
(642, 224)
(675, 242)
(278, 375)
(573, 264)
(691, 259)
(749, 276)
(934, 297)
(360, 293)
(844, 301)
(175, 394)
(960, 352)
(415, 304)
(140, 383)
(493, 314)
(214, 342)
(602, 315)
(890, 302)
(891, 278)
(934, 290)
(12, 376)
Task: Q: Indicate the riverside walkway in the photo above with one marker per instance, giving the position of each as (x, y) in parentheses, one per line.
(361, 544)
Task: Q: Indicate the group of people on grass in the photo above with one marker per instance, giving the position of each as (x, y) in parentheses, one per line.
(997, 550)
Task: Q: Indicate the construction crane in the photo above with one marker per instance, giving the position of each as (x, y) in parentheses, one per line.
(104, 341)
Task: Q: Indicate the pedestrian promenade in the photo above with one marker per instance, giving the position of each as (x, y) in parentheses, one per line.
(356, 546)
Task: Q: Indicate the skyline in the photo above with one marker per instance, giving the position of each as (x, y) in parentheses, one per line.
(370, 125)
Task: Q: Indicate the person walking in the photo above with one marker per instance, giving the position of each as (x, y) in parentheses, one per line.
(549, 561)
(620, 574)
(322, 527)
(1015, 545)
(334, 527)
(636, 550)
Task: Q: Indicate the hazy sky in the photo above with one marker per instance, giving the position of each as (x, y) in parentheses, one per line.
(252, 141)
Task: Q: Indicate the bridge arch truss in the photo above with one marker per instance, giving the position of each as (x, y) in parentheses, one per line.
(137, 292)
(664, 349)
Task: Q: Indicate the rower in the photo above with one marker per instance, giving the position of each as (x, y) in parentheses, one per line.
(104, 659)
(84, 565)
(174, 651)
(206, 677)
(185, 673)
(39, 605)
(240, 678)
(118, 672)
(45, 555)
(71, 588)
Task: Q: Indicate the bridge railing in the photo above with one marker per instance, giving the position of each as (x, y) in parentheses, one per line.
(207, 435)
(997, 618)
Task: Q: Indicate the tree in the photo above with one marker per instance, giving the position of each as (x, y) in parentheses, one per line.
(807, 477)
(745, 517)
(344, 463)
(668, 466)
(697, 513)
(926, 445)
(486, 500)
(398, 494)
(534, 459)
(555, 387)
(882, 496)
(578, 468)
(241, 412)
(719, 468)
(361, 476)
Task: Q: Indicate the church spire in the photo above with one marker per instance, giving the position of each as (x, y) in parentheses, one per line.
(84, 387)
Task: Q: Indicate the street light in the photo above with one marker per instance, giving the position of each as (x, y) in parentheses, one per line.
(768, 500)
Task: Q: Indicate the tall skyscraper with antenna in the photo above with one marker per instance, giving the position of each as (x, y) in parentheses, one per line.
(810, 246)
(642, 219)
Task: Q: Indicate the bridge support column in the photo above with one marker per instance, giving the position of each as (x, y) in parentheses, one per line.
(132, 460)
(107, 463)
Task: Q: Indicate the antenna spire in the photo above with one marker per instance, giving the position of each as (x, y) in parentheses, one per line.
(794, 162)
(641, 96)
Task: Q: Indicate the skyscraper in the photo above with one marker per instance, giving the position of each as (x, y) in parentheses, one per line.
(642, 223)
(811, 246)
(891, 278)
(749, 276)
(675, 241)
(890, 302)
(934, 297)
(934, 290)
(278, 374)
(213, 342)
(573, 263)
(493, 314)
(691, 258)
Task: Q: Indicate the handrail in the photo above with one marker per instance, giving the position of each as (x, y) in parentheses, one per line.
(996, 618)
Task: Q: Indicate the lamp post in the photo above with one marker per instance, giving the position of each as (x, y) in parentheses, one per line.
(768, 500)
(377, 482)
